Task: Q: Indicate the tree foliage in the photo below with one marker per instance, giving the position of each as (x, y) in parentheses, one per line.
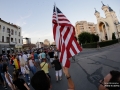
(86, 37)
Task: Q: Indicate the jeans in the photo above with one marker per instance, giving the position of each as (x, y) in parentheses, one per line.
(27, 77)
(3, 76)
(33, 69)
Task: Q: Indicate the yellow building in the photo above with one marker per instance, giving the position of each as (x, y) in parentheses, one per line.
(84, 26)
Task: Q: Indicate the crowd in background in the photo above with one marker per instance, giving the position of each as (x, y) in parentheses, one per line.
(36, 62)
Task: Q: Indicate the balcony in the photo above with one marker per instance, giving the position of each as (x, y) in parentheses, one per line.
(12, 43)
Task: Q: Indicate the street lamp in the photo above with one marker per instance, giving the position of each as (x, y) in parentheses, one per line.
(9, 41)
(117, 30)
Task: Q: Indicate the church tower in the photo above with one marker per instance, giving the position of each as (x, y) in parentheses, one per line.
(108, 25)
(114, 17)
(110, 20)
(97, 14)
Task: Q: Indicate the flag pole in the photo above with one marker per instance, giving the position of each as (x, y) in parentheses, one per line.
(56, 13)
(58, 25)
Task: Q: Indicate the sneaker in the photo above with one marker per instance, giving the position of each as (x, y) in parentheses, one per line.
(5, 87)
(56, 80)
(28, 83)
(29, 78)
(60, 79)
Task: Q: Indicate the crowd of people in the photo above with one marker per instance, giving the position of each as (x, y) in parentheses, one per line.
(38, 63)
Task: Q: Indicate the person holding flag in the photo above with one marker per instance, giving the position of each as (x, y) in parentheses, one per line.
(66, 43)
(64, 36)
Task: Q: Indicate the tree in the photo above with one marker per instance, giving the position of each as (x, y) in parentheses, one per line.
(113, 36)
(84, 37)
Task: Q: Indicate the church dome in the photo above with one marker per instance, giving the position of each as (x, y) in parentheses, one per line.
(110, 9)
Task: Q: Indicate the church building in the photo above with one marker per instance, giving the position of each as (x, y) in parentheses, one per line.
(108, 25)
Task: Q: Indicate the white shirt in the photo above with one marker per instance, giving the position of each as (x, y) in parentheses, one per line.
(19, 57)
(28, 55)
(23, 69)
(39, 56)
(25, 57)
(31, 63)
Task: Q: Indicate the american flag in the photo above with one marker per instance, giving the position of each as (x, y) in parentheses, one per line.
(64, 36)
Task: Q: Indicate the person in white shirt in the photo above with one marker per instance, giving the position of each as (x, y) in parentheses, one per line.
(25, 57)
(39, 57)
(19, 57)
(28, 55)
(25, 70)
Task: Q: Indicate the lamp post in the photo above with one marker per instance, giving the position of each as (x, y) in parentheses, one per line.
(117, 31)
(9, 42)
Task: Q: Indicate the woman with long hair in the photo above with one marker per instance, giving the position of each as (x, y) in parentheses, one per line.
(8, 77)
(19, 82)
(32, 64)
(25, 70)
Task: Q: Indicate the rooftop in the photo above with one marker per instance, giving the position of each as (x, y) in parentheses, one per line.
(10, 24)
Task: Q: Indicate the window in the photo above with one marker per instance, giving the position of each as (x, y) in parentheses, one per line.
(8, 30)
(2, 38)
(12, 32)
(7, 39)
(19, 40)
(0, 27)
(19, 33)
(3, 28)
(15, 40)
(11, 39)
(15, 32)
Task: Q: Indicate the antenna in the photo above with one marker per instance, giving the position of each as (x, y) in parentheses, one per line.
(101, 2)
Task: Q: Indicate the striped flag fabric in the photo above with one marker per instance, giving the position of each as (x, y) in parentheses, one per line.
(64, 36)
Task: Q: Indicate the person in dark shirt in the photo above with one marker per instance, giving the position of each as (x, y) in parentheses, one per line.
(19, 82)
(111, 81)
(58, 68)
(2, 74)
(51, 54)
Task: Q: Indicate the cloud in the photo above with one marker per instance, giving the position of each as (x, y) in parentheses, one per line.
(22, 20)
(38, 36)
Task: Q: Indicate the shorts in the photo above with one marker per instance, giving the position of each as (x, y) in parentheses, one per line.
(58, 73)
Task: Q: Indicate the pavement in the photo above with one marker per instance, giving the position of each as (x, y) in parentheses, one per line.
(89, 67)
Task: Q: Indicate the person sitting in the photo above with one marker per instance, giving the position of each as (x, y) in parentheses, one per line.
(40, 81)
(110, 81)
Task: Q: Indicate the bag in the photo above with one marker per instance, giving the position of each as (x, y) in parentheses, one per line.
(43, 65)
(26, 70)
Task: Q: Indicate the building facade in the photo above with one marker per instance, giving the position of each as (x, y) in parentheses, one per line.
(46, 42)
(39, 45)
(108, 25)
(84, 26)
(10, 37)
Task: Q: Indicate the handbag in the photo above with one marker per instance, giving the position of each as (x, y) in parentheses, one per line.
(26, 70)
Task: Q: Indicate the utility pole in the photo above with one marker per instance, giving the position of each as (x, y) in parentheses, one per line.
(9, 41)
